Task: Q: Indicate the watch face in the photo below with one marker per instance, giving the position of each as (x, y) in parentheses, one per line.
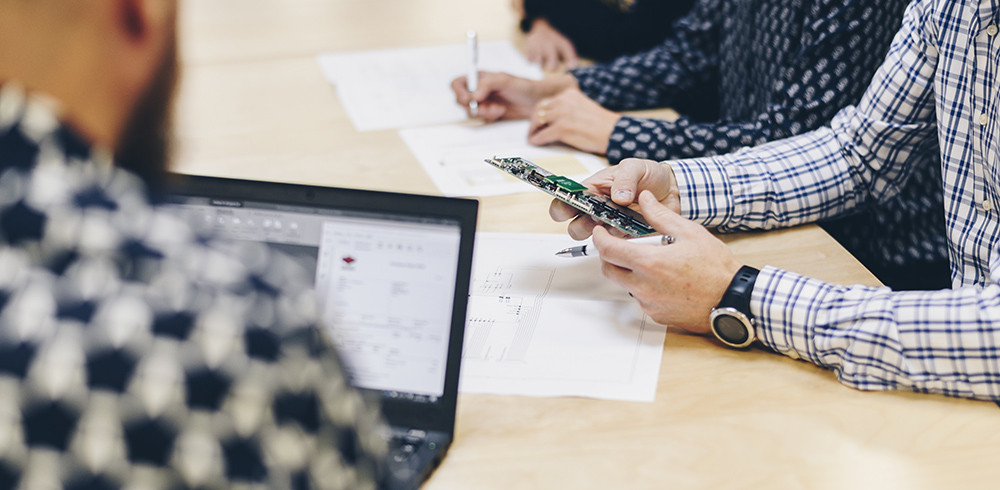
(731, 329)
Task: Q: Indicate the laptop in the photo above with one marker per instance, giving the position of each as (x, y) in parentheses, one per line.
(392, 275)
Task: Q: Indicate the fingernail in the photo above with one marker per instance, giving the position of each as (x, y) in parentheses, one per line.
(623, 195)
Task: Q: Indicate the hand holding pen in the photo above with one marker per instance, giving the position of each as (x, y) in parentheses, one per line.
(494, 96)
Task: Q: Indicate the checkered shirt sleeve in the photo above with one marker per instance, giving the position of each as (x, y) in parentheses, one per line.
(941, 341)
(137, 354)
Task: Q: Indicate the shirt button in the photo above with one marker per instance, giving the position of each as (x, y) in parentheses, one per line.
(983, 119)
(992, 30)
(987, 205)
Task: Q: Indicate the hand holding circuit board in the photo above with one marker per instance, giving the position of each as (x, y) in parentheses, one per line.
(676, 285)
(576, 195)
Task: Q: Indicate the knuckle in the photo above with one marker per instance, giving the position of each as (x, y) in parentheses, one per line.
(608, 270)
(574, 231)
(644, 262)
(643, 291)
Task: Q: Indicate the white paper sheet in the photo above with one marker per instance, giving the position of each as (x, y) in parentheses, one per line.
(407, 87)
(543, 325)
(454, 157)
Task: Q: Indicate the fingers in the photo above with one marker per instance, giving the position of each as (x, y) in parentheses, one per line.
(546, 46)
(625, 186)
(547, 122)
(560, 211)
(540, 116)
(582, 227)
(488, 111)
(623, 254)
(533, 52)
(602, 180)
(550, 57)
(491, 111)
(550, 133)
(617, 275)
(568, 54)
(489, 83)
(462, 94)
(613, 250)
(661, 217)
(490, 108)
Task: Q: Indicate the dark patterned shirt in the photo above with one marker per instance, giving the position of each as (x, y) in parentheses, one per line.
(604, 29)
(744, 72)
(137, 354)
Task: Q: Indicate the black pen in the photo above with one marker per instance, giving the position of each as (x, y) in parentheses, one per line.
(589, 249)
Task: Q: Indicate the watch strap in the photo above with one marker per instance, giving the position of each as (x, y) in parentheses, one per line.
(740, 289)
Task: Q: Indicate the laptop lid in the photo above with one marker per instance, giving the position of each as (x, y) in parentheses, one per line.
(392, 275)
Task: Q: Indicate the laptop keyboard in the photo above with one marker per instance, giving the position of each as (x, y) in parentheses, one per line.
(403, 450)
(403, 445)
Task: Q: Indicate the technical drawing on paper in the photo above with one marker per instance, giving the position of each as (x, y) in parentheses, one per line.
(503, 314)
(543, 325)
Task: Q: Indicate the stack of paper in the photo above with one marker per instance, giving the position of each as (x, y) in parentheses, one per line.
(409, 87)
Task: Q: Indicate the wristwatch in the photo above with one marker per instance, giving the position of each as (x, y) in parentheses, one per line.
(731, 321)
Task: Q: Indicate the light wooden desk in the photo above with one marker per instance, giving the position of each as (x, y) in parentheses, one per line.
(255, 105)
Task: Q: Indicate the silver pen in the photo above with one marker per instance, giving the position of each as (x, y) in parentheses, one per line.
(589, 249)
(472, 79)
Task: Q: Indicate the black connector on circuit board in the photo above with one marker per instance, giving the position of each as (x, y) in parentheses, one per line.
(575, 194)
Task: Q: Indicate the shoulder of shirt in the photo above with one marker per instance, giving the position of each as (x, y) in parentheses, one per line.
(95, 213)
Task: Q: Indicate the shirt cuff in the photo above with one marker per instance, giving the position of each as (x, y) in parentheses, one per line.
(779, 321)
(705, 193)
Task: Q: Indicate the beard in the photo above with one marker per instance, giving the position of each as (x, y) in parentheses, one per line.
(145, 146)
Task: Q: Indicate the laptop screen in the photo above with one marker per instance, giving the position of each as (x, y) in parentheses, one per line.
(385, 283)
(386, 276)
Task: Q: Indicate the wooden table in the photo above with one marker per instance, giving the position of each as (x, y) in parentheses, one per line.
(253, 104)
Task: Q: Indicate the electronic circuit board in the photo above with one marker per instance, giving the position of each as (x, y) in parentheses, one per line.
(575, 194)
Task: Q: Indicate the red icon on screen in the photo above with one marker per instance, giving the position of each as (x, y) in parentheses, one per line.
(348, 260)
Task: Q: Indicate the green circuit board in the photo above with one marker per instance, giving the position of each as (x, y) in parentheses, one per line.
(575, 194)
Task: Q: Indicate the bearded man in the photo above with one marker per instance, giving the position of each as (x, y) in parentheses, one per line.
(133, 352)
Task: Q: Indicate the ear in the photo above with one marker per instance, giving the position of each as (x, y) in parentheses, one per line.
(141, 21)
(132, 17)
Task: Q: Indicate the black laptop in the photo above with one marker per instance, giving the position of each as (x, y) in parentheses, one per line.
(392, 275)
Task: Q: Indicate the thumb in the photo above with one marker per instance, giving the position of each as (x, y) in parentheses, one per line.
(489, 82)
(626, 181)
(661, 217)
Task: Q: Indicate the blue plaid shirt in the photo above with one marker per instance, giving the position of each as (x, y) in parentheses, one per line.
(938, 88)
(743, 73)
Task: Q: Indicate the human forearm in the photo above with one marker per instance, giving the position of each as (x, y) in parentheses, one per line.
(785, 183)
(875, 339)
(859, 158)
